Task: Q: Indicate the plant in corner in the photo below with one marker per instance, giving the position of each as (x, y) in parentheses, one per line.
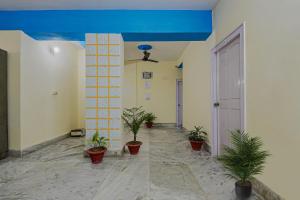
(197, 138)
(244, 159)
(134, 118)
(98, 149)
(149, 118)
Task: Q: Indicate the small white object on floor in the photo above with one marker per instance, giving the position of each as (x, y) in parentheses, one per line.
(77, 133)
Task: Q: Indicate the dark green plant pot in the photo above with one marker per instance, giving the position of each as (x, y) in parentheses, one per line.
(243, 190)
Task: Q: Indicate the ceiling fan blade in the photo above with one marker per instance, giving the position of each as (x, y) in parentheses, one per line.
(135, 60)
(150, 60)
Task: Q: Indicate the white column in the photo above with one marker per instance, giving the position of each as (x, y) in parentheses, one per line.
(104, 69)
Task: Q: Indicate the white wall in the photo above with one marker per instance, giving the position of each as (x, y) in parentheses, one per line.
(162, 92)
(45, 116)
(35, 115)
(10, 41)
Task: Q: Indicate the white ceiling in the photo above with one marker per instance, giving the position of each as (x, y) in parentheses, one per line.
(107, 4)
(161, 51)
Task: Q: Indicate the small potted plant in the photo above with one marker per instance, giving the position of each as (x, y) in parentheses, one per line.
(134, 118)
(197, 137)
(244, 159)
(98, 149)
(149, 118)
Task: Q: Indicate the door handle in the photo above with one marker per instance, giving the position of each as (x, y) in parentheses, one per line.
(217, 104)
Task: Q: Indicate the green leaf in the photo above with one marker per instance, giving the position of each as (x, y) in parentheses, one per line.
(245, 158)
(133, 118)
(198, 134)
(98, 141)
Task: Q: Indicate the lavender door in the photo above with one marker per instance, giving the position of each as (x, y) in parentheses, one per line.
(179, 108)
(229, 79)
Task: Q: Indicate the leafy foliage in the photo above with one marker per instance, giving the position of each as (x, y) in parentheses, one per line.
(245, 158)
(99, 142)
(150, 117)
(134, 118)
(198, 134)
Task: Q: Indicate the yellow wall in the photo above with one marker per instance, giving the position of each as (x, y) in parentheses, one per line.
(197, 85)
(45, 116)
(162, 91)
(272, 81)
(10, 41)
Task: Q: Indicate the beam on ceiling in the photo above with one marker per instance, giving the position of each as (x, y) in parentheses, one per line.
(135, 25)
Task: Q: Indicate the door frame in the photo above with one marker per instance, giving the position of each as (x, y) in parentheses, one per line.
(177, 100)
(239, 32)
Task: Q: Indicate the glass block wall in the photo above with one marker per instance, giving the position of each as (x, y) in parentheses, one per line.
(104, 68)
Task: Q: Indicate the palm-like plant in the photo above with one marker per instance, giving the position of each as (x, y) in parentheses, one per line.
(198, 134)
(245, 158)
(150, 117)
(98, 149)
(134, 118)
(98, 142)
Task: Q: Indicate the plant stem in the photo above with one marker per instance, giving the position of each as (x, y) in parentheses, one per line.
(134, 137)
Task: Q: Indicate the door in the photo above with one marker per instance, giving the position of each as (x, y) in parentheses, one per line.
(179, 103)
(3, 105)
(229, 92)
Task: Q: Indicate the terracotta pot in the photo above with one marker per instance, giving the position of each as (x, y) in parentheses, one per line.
(96, 154)
(196, 145)
(134, 147)
(243, 190)
(149, 124)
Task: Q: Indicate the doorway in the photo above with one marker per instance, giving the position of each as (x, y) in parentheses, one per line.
(228, 89)
(179, 103)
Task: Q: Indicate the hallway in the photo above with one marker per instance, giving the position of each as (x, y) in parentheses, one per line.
(165, 169)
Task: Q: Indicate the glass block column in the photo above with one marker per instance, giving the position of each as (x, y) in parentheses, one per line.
(104, 68)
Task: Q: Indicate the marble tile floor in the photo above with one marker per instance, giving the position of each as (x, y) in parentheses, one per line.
(165, 169)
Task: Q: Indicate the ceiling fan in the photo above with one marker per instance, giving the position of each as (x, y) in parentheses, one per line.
(145, 48)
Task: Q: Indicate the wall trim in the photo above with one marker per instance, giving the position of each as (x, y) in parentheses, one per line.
(264, 191)
(165, 125)
(21, 153)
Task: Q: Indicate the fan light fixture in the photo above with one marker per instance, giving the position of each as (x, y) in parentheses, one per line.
(146, 58)
(144, 47)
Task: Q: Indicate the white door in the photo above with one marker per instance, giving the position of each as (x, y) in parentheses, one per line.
(229, 92)
(179, 103)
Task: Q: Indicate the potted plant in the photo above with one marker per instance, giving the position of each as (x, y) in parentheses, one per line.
(98, 149)
(149, 118)
(197, 137)
(134, 118)
(244, 159)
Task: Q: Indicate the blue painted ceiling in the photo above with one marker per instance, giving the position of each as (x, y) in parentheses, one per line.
(134, 25)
